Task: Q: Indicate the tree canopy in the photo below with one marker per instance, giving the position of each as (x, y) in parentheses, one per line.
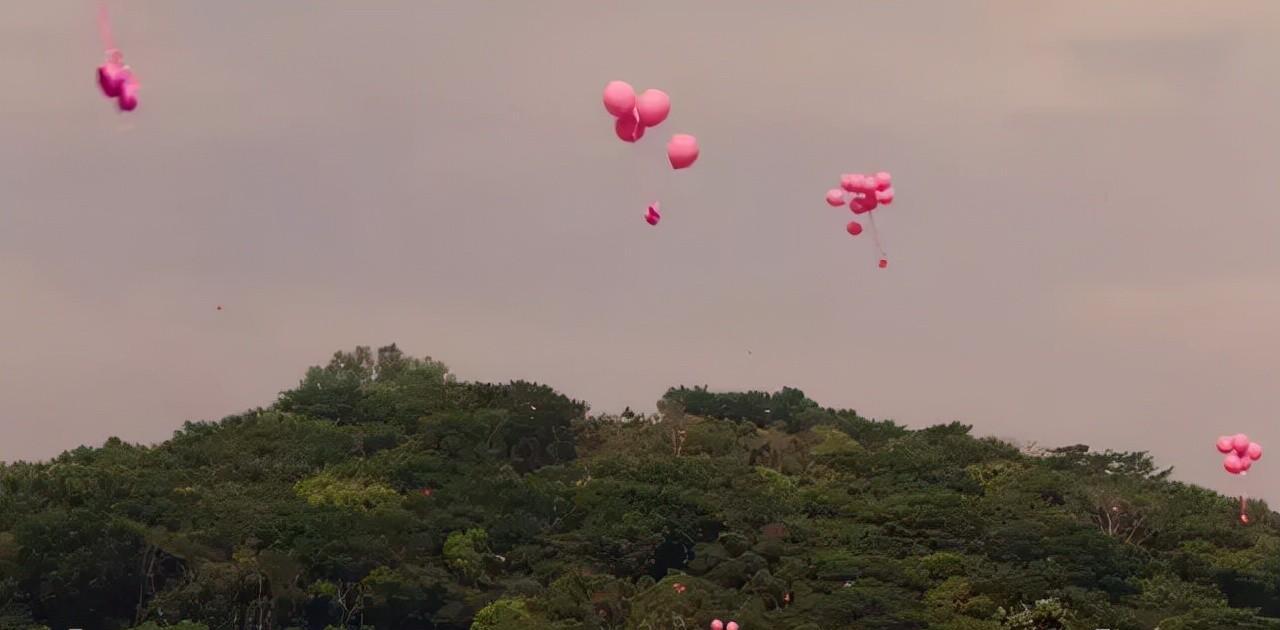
(384, 493)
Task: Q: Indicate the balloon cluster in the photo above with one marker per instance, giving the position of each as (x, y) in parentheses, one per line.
(114, 77)
(117, 81)
(636, 113)
(716, 624)
(863, 194)
(1240, 453)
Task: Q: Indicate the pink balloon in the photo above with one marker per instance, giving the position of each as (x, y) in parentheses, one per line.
(682, 151)
(653, 107)
(1232, 464)
(1224, 444)
(653, 216)
(1254, 451)
(869, 201)
(732, 625)
(111, 78)
(716, 624)
(846, 182)
(835, 197)
(857, 207)
(864, 184)
(619, 98)
(1240, 442)
(128, 100)
(854, 228)
(628, 128)
(883, 180)
(885, 196)
(1245, 463)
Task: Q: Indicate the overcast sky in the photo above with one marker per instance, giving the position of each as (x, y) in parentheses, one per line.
(1083, 247)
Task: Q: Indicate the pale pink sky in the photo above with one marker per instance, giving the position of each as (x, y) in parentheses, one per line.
(1083, 247)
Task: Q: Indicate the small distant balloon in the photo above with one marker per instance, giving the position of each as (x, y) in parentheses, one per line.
(652, 107)
(653, 216)
(619, 98)
(1240, 442)
(732, 625)
(682, 151)
(716, 624)
(1254, 451)
(835, 197)
(854, 228)
(1224, 444)
(628, 128)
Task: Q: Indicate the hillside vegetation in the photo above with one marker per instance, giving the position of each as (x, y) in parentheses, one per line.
(383, 493)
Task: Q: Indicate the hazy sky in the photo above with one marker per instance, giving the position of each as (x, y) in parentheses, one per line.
(1083, 248)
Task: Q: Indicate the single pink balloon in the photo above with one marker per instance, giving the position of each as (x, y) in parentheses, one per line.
(1245, 463)
(857, 207)
(1254, 451)
(835, 197)
(846, 182)
(854, 228)
(128, 100)
(1232, 464)
(1240, 442)
(619, 98)
(883, 180)
(885, 196)
(653, 216)
(628, 128)
(682, 151)
(1224, 444)
(111, 78)
(732, 625)
(869, 201)
(653, 106)
(716, 624)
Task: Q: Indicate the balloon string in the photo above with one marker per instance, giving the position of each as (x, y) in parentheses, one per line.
(875, 234)
(104, 27)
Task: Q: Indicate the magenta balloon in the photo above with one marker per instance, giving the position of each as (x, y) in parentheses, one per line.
(1224, 444)
(883, 180)
(628, 128)
(128, 100)
(869, 201)
(885, 196)
(1240, 442)
(732, 625)
(854, 228)
(653, 107)
(835, 197)
(1232, 464)
(110, 79)
(857, 207)
(716, 624)
(653, 216)
(846, 182)
(682, 151)
(1245, 463)
(619, 98)
(1254, 451)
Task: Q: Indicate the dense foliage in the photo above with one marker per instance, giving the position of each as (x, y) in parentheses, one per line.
(383, 493)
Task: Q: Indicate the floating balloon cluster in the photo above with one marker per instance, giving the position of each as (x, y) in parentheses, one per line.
(716, 624)
(1240, 453)
(114, 77)
(863, 194)
(635, 114)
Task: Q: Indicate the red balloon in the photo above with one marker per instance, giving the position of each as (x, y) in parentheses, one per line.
(854, 228)
(883, 263)
(628, 128)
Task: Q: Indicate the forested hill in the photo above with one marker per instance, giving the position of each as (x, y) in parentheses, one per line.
(383, 493)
